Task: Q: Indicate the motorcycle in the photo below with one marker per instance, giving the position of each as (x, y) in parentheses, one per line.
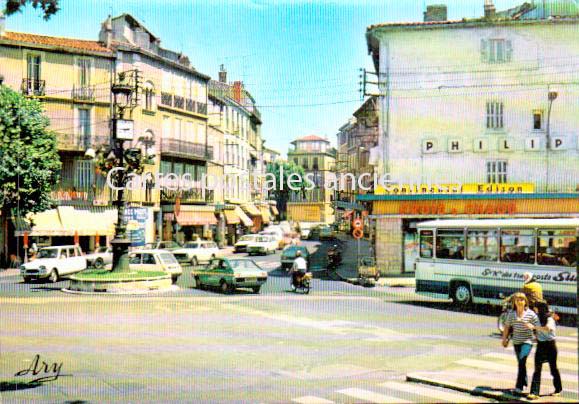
(302, 283)
(334, 257)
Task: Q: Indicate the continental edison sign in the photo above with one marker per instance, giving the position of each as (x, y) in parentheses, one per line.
(478, 188)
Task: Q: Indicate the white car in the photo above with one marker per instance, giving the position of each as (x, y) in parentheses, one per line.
(275, 232)
(54, 263)
(244, 241)
(197, 251)
(263, 244)
(155, 260)
(101, 257)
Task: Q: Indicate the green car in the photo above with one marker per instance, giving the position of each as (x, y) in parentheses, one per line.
(230, 274)
(326, 233)
(288, 255)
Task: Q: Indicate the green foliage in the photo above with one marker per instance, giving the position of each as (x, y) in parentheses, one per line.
(29, 161)
(282, 177)
(49, 7)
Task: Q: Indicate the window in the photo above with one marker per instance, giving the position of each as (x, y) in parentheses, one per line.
(316, 165)
(557, 247)
(426, 243)
(450, 244)
(84, 174)
(148, 259)
(518, 246)
(84, 127)
(482, 245)
(494, 115)
(537, 119)
(305, 163)
(149, 96)
(497, 172)
(177, 129)
(33, 65)
(496, 50)
(166, 127)
(83, 66)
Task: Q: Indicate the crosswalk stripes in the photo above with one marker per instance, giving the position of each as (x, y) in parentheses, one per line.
(367, 395)
(424, 391)
(570, 339)
(499, 367)
(562, 352)
(311, 400)
(511, 358)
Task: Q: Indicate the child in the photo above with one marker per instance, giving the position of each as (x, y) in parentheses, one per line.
(546, 350)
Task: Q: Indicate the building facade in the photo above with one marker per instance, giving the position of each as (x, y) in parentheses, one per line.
(484, 128)
(315, 155)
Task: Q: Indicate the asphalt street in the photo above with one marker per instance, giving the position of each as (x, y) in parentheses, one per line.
(341, 343)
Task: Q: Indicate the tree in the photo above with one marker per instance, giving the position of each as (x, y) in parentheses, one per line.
(29, 161)
(281, 173)
(49, 7)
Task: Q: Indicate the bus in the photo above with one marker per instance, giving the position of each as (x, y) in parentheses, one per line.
(483, 261)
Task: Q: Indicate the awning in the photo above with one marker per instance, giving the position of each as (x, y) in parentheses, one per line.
(251, 209)
(247, 222)
(347, 214)
(191, 215)
(68, 221)
(231, 216)
(274, 210)
(265, 214)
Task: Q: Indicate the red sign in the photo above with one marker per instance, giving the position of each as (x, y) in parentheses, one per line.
(25, 239)
(357, 224)
(358, 234)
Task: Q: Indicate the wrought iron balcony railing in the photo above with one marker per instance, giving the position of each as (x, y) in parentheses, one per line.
(178, 102)
(182, 148)
(76, 142)
(186, 104)
(167, 99)
(83, 93)
(33, 87)
(190, 196)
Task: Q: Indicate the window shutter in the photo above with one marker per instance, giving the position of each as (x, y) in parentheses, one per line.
(484, 50)
(509, 50)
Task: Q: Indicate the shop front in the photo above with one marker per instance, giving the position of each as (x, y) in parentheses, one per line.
(189, 222)
(394, 217)
(237, 222)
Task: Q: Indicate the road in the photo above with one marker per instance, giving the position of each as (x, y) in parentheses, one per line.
(342, 343)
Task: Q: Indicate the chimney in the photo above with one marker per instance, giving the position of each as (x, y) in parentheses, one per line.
(222, 74)
(435, 12)
(2, 23)
(490, 9)
(106, 33)
(237, 87)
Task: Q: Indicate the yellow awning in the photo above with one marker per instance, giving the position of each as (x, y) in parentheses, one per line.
(68, 220)
(265, 214)
(247, 222)
(191, 215)
(231, 216)
(251, 209)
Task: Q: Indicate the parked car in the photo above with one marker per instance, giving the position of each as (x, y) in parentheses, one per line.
(55, 262)
(230, 274)
(244, 241)
(101, 257)
(289, 255)
(275, 232)
(155, 260)
(326, 232)
(263, 244)
(197, 251)
(168, 245)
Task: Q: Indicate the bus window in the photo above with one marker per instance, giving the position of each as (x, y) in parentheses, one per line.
(482, 245)
(426, 243)
(557, 247)
(450, 244)
(518, 246)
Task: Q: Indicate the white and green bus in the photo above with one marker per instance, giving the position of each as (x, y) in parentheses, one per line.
(483, 261)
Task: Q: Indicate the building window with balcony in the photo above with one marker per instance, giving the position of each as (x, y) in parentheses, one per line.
(305, 163)
(537, 119)
(496, 50)
(497, 172)
(316, 164)
(84, 127)
(149, 92)
(495, 111)
(32, 85)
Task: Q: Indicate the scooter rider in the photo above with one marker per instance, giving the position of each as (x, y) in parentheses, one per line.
(299, 269)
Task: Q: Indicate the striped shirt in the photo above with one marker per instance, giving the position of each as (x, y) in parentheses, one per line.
(521, 334)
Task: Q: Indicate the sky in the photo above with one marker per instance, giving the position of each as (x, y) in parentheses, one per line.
(299, 59)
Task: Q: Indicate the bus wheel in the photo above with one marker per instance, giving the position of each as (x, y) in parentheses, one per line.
(461, 294)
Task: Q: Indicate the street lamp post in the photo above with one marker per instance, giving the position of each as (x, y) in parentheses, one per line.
(552, 96)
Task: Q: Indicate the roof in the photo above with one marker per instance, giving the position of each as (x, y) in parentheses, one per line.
(570, 222)
(311, 138)
(135, 23)
(58, 42)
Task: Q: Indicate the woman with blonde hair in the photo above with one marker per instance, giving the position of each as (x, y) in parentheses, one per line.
(521, 336)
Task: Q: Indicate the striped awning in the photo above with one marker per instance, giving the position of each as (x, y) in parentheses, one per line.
(265, 214)
(247, 222)
(251, 209)
(231, 216)
(191, 215)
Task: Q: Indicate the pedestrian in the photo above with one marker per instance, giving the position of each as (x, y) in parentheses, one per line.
(546, 350)
(522, 336)
(532, 289)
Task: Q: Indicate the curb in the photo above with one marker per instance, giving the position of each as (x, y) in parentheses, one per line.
(495, 395)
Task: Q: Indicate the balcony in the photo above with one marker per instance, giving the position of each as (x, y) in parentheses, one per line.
(190, 105)
(201, 108)
(184, 149)
(194, 195)
(33, 87)
(185, 104)
(167, 99)
(66, 194)
(83, 93)
(179, 102)
(76, 142)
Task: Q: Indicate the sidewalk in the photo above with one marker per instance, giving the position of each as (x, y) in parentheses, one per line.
(9, 272)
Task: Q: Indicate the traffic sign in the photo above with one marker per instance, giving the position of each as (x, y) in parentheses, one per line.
(357, 224)
(358, 234)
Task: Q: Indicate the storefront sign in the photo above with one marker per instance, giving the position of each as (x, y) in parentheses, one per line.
(136, 221)
(477, 188)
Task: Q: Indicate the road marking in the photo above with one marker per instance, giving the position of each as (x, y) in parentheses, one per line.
(562, 352)
(371, 396)
(570, 339)
(311, 400)
(436, 394)
(486, 365)
(571, 345)
(511, 358)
